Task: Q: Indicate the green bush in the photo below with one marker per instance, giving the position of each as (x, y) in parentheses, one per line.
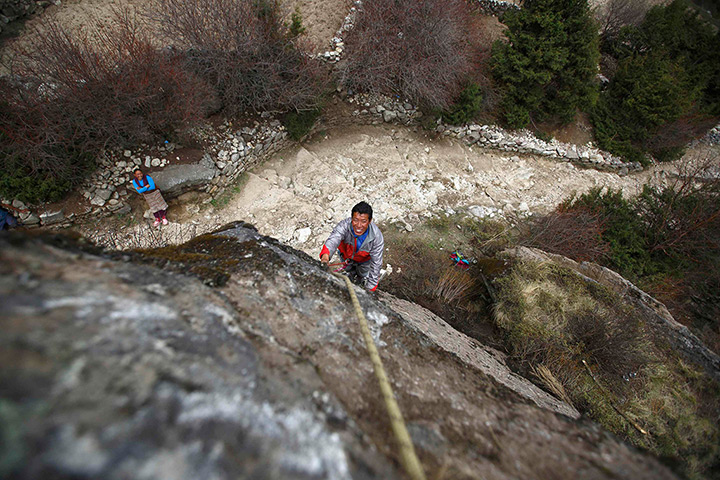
(30, 188)
(466, 107)
(668, 77)
(299, 124)
(547, 65)
(296, 27)
(647, 92)
(622, 229)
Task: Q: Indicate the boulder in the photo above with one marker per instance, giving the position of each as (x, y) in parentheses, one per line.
(178, 179)
(51, 218)
(389, 115)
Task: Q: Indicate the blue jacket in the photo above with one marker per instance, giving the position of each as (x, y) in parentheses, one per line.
(149, 187)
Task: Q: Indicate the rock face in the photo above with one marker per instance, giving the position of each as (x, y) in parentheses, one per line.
(115, 368)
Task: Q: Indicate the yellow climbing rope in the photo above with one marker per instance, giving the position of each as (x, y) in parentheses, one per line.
(407, 451)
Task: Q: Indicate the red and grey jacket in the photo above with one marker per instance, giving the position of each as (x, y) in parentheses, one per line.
(371, 250)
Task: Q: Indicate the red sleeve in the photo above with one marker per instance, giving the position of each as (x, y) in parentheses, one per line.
(324, 251)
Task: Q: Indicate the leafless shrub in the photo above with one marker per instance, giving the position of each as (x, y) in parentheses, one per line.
(143, 236)
(424, 50)
(243, 48)
(575, 233)
(74, 94)
(670, 141)
(683, 218)
(618, 13)
(611, 340)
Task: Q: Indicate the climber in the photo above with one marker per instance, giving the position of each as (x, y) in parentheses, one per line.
(360, 244)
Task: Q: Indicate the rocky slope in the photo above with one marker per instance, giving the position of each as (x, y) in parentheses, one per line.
(115, 368)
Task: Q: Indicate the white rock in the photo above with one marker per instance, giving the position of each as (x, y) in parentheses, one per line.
(303, 234)
(155, 162)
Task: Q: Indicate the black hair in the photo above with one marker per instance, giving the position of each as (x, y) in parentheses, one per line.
(362, 207)
(137, 170)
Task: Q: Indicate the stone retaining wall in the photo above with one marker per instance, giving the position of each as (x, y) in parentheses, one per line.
(108, 190)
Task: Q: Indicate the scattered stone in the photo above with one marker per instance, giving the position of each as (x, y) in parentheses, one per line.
(51, 218)
(389, 115)
(30, 219)
(124, 210)
(302, 234)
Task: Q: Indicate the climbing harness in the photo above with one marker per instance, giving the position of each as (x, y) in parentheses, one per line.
(407, 451)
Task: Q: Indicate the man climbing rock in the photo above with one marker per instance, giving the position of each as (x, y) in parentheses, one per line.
(360, 244)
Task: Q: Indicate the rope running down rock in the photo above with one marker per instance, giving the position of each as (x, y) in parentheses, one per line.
(407, 451)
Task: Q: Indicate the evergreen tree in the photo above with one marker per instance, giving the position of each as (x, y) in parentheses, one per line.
(548, 64)
(647, 92)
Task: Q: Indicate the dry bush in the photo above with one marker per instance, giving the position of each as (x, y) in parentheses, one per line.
(618, 13)
(670, 141)
(683, 218)
(74, 94)
(614, 341)
(427, 276)
(423, 50)
(243, 49)
(453, 285)
(552, 383)
(574, 233)
(115, 81)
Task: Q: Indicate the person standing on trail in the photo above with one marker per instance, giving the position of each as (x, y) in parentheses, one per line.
(146, 185)
(360, 244)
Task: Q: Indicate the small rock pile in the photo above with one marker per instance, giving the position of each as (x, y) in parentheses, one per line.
(386, 109)
(712, 137)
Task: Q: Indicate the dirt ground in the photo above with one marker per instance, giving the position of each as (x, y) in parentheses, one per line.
(299, 194)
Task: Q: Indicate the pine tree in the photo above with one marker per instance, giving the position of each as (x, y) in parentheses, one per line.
(548, 64)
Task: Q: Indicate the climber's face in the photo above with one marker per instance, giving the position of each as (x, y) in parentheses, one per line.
(138, 174)
(360, 222)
